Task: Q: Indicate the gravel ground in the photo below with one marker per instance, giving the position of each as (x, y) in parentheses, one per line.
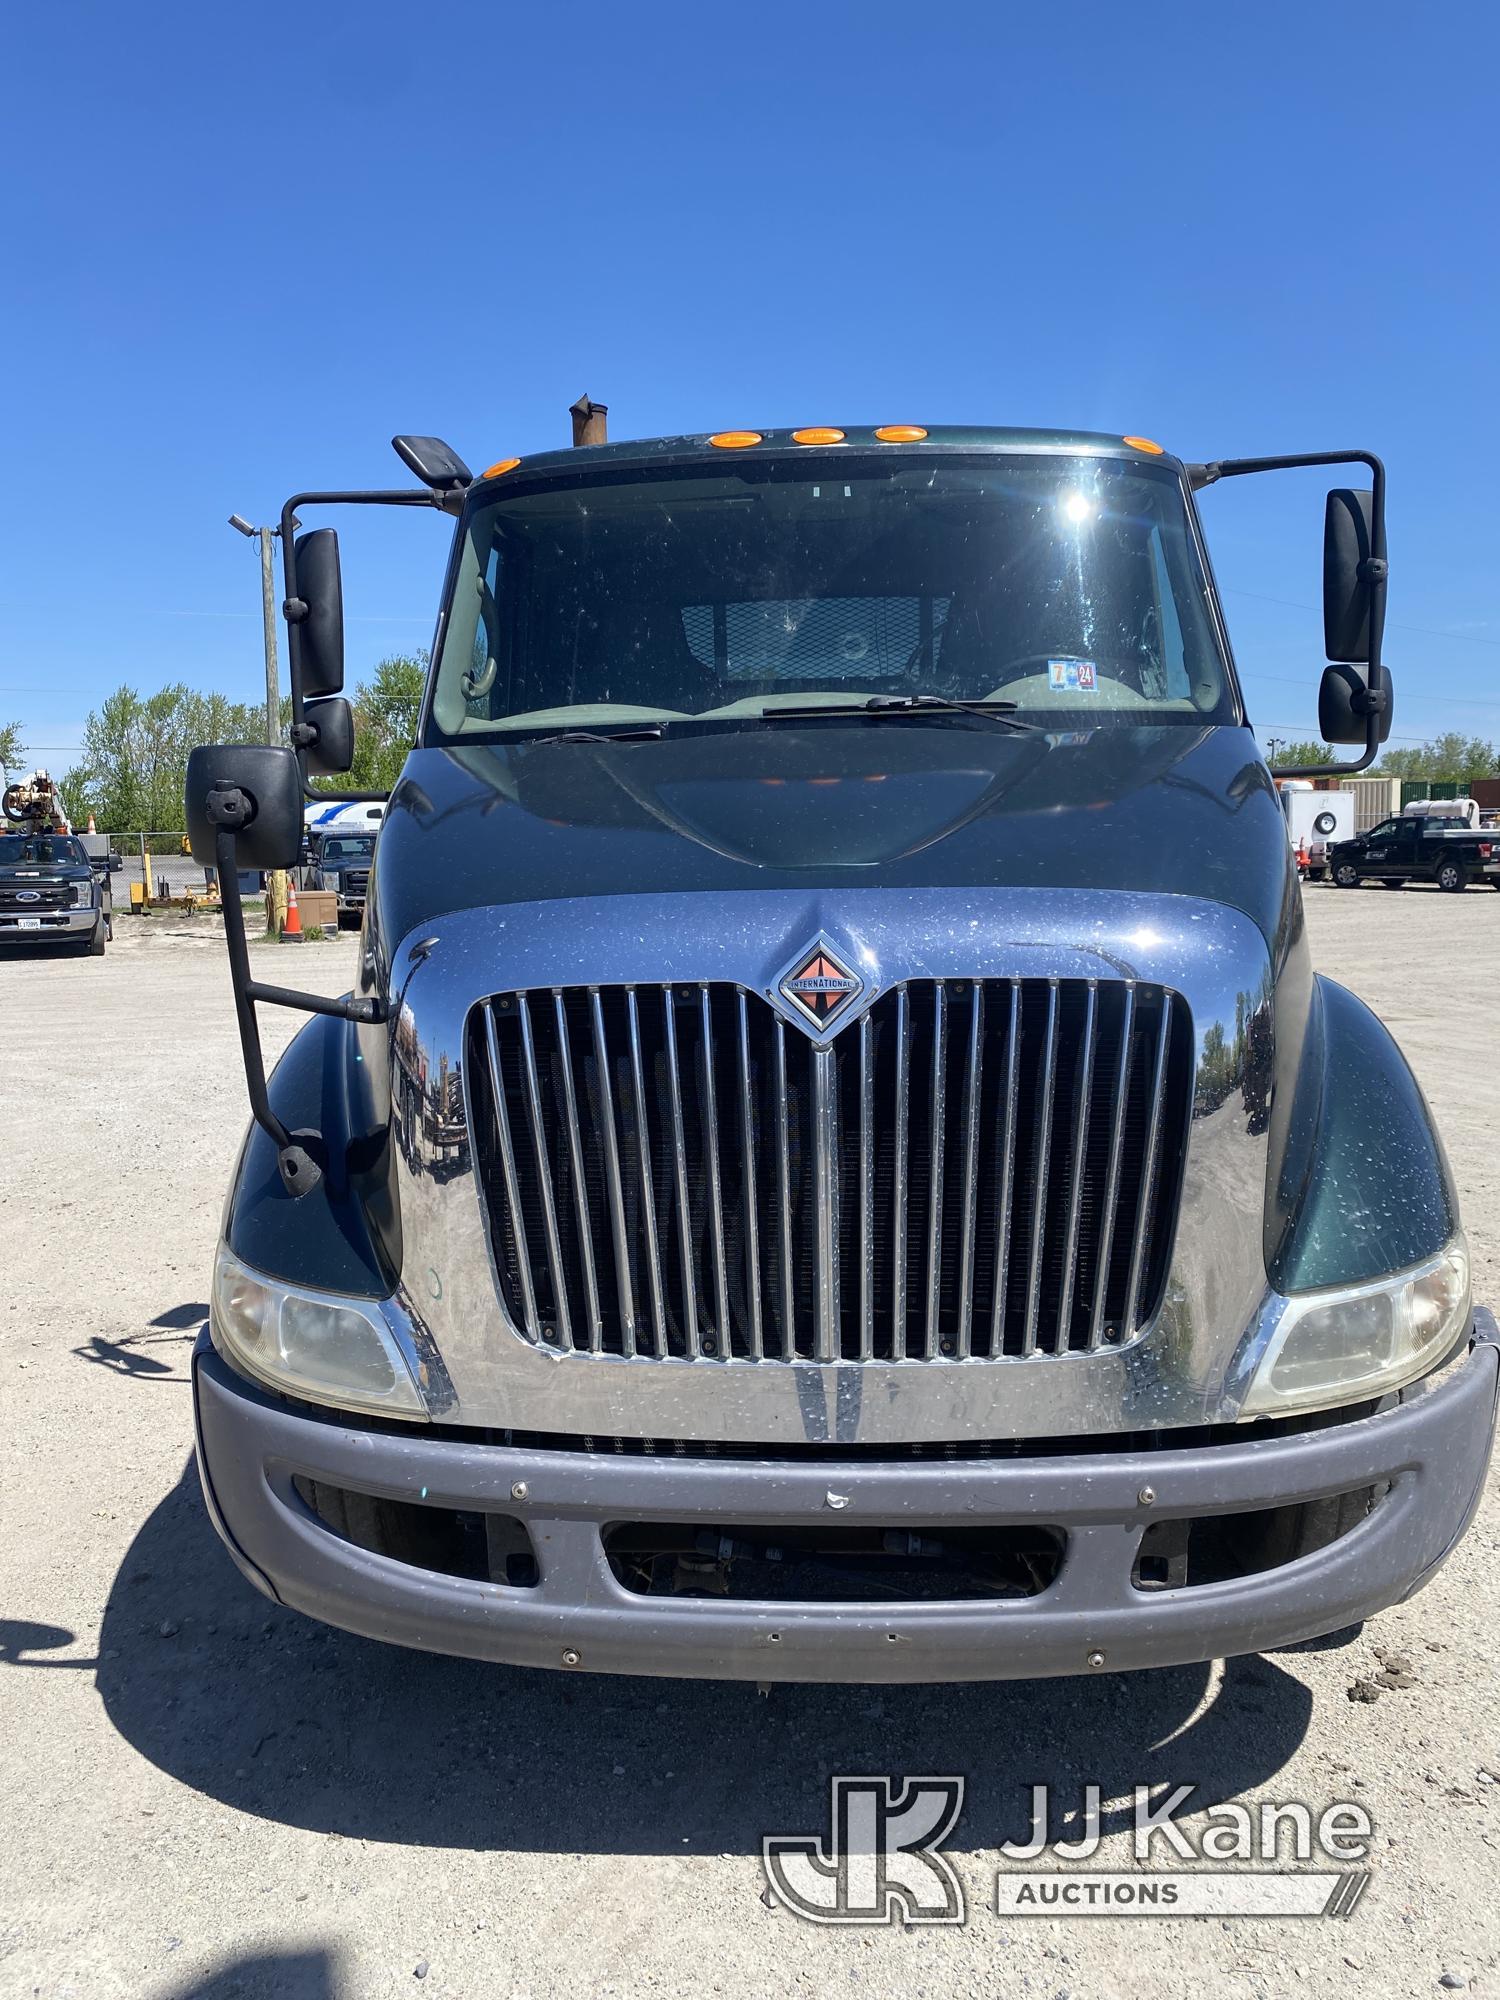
(208, 1797)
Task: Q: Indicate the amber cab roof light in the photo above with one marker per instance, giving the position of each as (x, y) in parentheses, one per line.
(1144, 444)
(818, 434)
(734, 440)
(900, 433)
(501, 465)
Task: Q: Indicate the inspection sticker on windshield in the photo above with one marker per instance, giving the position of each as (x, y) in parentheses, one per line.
(1071, 676)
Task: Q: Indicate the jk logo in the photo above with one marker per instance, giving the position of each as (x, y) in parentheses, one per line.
(881, 1861)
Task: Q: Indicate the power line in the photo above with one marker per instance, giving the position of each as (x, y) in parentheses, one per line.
(1392, 625)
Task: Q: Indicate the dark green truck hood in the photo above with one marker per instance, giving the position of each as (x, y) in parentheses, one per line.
(904, 804)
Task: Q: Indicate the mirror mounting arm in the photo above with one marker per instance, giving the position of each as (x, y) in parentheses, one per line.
(1374, 570)
(300, 1156)
(294, 608)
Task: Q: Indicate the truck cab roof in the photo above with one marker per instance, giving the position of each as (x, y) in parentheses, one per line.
(776, 441)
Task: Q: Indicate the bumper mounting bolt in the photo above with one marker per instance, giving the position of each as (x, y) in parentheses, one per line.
(1094, 1659)
(1147, 1496)
(570, 1656)
(832, 1499)
(519, 1490)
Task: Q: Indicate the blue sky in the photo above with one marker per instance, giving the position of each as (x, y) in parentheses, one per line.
(242, 249)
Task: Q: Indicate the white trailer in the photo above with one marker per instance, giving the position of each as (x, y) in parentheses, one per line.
(1313, 819)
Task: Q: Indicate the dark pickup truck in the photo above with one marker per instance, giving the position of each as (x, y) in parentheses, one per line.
(1415, 848)
(53, 892)
(341, 862)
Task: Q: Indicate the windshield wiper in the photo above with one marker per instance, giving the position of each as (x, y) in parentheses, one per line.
(883, 705)
(643, 732)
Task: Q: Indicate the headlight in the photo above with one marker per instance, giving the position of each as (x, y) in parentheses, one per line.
(1354, 1342)
(328, 1350)
(83, 892)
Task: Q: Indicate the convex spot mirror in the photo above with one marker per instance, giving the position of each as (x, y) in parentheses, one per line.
(331, 753)
(318, 647)
(1341, 704)
(268, 775)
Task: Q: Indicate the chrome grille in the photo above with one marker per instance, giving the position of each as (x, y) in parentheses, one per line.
(971, 1170)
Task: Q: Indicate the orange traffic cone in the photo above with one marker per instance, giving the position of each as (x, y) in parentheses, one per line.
(292, 929)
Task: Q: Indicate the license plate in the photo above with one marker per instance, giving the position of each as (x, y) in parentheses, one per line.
(30, 924)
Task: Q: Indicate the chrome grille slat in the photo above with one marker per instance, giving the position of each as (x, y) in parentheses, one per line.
(936, 1111)
(501, 1115)
(866, 1189)
(1043, 1164)
(1007, 1153)
(605, 1122)
(785, 1260)
(1112, 1175)
(825, 1204)
(754, 1330)
(1077, 1162)
(978, 1170)
(563, 1328)
(680, 1179)
(898, 1179)
(640, 1119)
(1148, 1173)
(574, 1134)
(973, 1078)
(711, 1161)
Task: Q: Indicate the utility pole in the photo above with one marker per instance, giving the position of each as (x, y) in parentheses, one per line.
(1274, 747)
(276, 880)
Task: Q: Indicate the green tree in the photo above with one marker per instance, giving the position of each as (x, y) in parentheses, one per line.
(1305, 753)
(133, 763)
(12, 749)
(1451, 755)
(385, 723)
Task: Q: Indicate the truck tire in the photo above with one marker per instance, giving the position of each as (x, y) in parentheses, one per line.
(1452, 875)
(1346, 875)
(1395, 881)
(96, 940)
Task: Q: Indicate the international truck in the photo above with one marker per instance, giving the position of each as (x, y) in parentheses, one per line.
(836, 1164)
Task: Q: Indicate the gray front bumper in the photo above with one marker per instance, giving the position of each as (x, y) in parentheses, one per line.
(1433, 1449)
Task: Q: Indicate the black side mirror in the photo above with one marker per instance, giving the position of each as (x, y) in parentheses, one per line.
(267, 824)
(318, 648)
(331, 751)
(1347, 577)
(1344, 704)
(436, 464)
(114, 864)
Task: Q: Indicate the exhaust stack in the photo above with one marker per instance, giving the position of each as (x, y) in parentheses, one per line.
(589, 425)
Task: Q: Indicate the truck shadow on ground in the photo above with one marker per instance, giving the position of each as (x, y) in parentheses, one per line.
(300, 1724)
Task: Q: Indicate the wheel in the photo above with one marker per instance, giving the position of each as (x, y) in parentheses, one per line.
(96, 940)
(1450, 875)
(1395, 882)
(1346, 875)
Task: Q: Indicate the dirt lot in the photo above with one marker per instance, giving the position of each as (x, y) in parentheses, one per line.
(205, 1796)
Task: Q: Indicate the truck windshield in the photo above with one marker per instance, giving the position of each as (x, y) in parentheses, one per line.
(1070, 587)
(41, 850)
(357, 847)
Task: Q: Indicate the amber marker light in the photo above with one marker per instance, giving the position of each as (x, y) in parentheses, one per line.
(734, 440)
(501, 465)
(818, 434)
(900, 433)
(1144, 444)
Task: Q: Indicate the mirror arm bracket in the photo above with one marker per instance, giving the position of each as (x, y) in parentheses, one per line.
(300, 1156)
